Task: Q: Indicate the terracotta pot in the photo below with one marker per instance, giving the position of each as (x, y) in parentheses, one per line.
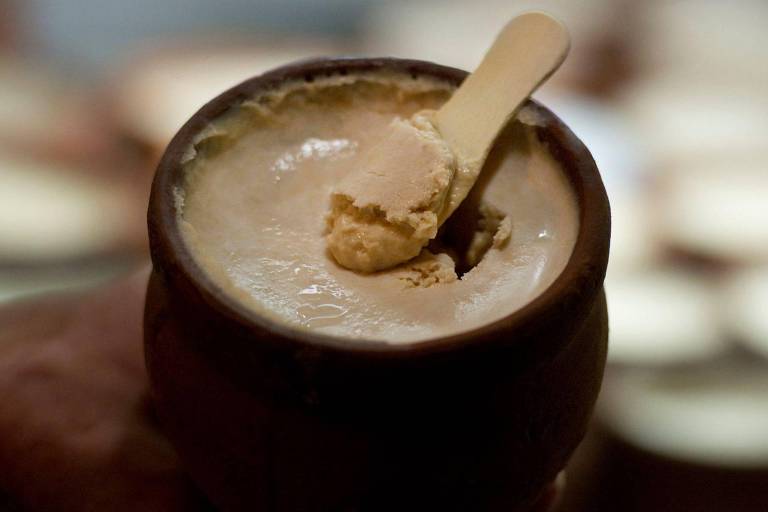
(270, 418)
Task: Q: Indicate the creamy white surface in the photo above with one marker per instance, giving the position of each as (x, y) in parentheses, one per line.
(253, 215)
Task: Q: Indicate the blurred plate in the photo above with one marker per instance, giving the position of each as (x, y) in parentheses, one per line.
(50, 213)
(745, 297)
(685, 439)
(716, 416)
(678, 123)
(716, 210)
(661, 318)
(164, 85)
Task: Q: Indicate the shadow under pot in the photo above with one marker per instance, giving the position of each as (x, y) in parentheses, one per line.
(462, 380)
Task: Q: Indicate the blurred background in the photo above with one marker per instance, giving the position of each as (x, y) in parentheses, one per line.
(670, 96)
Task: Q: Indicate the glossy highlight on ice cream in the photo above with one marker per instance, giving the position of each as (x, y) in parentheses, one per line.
(255, 202)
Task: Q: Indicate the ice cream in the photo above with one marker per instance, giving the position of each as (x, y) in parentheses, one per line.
(396, 197)
(393, 201)
(255, 203)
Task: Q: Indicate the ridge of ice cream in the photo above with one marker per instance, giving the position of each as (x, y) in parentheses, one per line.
(258, 182)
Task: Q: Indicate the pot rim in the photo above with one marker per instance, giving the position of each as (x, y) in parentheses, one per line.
(575, 288)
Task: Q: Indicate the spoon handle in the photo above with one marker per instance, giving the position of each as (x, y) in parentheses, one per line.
(526, 52)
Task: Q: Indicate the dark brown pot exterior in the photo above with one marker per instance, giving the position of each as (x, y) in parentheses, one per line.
(271, 419)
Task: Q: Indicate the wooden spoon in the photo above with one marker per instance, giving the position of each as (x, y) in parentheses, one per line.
(527, 51)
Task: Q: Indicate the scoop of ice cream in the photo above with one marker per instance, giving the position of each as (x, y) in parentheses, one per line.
(386, 210)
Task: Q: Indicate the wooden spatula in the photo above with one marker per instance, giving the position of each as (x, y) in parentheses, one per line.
(527, 51)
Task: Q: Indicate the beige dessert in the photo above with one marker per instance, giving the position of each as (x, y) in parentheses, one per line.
(395, 198)
(259, 186)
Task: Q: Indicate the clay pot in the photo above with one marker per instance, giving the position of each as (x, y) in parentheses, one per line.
(270, 418)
